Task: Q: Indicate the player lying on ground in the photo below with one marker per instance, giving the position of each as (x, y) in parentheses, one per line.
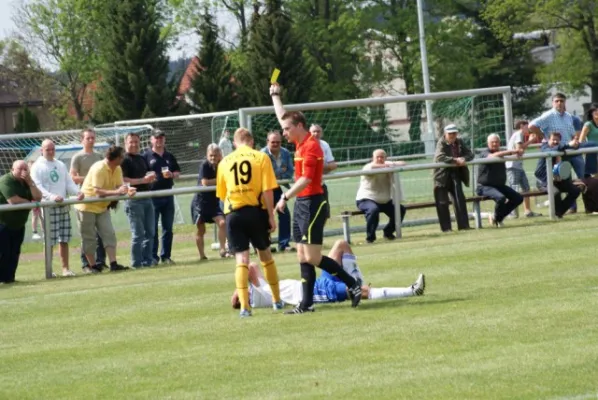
(327, 289)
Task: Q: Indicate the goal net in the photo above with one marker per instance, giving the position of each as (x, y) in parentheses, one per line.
(187, 137)
(398, 125)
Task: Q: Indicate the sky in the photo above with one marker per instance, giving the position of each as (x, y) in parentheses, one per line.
(187, 45)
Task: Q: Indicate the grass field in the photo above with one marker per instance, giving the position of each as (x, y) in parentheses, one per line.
(508, 314)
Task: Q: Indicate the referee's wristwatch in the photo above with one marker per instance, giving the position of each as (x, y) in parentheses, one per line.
(285, 198)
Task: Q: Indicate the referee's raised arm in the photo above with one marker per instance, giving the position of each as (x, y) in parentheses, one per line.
(277, 102)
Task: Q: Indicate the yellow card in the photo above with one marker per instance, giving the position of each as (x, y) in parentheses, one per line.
(274, 77)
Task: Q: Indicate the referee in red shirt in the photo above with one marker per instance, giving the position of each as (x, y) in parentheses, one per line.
(309, 215)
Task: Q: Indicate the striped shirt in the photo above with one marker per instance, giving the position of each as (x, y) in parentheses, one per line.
(554, 121)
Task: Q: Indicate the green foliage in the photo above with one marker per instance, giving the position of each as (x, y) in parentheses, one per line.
(499, 60)
(331, 31)
(65, 34)
(212, 88)
(27, 121)
(576, 60)
(134, 78)
(273, 43)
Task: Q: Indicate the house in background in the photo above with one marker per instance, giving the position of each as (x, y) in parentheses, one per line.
(10, 105)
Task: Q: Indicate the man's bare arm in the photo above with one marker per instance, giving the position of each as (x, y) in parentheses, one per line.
(277, 102)
(76, 177)
(331, 166)
(17, 200)
(297, 187)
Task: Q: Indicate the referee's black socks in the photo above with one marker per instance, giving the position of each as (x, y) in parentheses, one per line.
(308, 280)
(334, 269)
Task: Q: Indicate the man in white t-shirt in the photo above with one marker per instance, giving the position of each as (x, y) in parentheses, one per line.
(520, 140)
(329, 163)
(53, 180)
(374, 196)
(327, 289)
(226, 146)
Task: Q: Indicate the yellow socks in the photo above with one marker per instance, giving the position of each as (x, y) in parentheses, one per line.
(242, 283)
(271, 274)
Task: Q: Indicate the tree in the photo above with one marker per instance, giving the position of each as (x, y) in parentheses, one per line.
(273, 43)
(134, 78)
(212, 88)
(575, 24)
(20, 74)
(27, 121)
(64, 34)
(331, 32)
(504, 62)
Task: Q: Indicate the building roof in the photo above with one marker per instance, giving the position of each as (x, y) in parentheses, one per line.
(186, 81)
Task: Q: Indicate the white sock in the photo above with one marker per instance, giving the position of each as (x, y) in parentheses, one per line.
(349, 264)
(390, 293)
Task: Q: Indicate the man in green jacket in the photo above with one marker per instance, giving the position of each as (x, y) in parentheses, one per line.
(448, 181)
(16, 187)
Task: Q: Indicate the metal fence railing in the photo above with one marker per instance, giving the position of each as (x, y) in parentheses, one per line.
(396, 171)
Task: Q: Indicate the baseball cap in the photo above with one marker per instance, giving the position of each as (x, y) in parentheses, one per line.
(158, 133)
(451, 128)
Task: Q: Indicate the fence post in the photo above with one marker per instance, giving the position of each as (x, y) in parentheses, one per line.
(550, 188)
(47, 241)
(396, 200)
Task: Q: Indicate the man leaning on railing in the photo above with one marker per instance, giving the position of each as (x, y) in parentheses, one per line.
(492, 179)
(16, 187)
(562, 178)
(104, 179)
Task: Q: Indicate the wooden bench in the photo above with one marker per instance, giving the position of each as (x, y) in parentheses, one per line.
(476, 200)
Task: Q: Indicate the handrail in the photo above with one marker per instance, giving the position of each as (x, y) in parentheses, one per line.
(396, 194)
(327, 177)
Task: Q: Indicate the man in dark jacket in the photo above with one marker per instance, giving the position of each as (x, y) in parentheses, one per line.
(562, 184)
(492, 179)
(447, 181)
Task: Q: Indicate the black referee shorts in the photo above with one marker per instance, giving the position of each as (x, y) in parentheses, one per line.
(309, 218)
(247, 225)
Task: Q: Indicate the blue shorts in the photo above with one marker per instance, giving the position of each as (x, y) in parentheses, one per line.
(329, 291)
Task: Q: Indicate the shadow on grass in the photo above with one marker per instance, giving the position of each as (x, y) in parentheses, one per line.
(369, 304)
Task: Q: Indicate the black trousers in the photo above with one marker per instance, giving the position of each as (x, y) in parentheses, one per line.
(572, 193)
(10, 251)
(454, 190)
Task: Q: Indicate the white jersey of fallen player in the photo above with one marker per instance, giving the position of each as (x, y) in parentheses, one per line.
(291, 291)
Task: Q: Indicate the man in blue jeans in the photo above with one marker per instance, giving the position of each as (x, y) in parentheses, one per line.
(140, 212)
(492, 181)
(282, 161)
(165, 165)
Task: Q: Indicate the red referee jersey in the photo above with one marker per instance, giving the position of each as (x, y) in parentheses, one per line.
(309, 162)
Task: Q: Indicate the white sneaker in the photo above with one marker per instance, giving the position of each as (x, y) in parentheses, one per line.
(68, 272)
(36, 236)
(419, 286)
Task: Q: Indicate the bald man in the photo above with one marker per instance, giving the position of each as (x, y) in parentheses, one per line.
(16, 187)
(374, 196)
(52, 178)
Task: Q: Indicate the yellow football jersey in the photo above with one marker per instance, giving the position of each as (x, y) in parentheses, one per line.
(242, 177)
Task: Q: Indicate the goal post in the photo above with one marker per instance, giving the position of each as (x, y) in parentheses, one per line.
(396, 124)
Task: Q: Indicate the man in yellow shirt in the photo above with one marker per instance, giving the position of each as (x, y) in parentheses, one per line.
(245, 182)
(104, 179)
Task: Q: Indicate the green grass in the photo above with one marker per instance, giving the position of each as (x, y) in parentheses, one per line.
(508, 313)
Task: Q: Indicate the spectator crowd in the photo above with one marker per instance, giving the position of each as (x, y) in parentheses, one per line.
(129, 171)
